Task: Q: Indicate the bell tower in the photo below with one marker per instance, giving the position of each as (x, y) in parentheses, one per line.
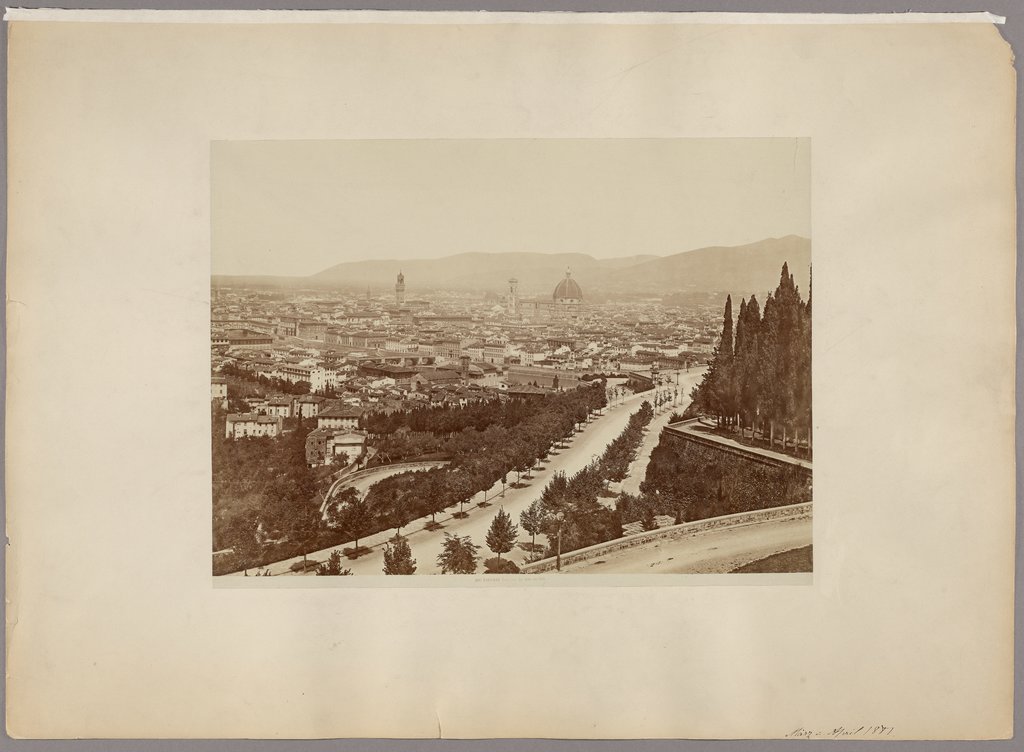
(400, 289)
(512, 299)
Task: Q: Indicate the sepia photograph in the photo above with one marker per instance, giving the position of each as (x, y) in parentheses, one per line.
(517, 305)
(511, 357)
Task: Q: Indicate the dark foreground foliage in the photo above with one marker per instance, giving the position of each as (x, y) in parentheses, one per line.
(694, 482)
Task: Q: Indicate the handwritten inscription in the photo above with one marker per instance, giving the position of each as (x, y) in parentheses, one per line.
(841, 732)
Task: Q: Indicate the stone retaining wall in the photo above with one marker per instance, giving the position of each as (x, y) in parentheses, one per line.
(421, 465)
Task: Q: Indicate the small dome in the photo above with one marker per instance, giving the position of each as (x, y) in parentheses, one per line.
(567, 289)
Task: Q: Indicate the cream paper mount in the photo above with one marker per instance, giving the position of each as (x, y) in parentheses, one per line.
(114, 628)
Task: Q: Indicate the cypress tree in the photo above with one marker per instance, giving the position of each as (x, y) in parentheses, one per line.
(752, 392)
(761, 370)
(726, 394)
(726, 344)
(747, 361)
(736, 372)
(803, 372)
(718, 393)
(787, 300)
(766, 372)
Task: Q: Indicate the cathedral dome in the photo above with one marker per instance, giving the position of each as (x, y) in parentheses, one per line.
(567, 289)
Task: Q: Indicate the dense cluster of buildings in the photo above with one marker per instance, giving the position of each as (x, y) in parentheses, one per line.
(359, 353)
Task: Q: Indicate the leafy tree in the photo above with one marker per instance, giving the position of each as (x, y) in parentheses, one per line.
(647, 520)
(522, 459)
(707, 483)
(531, 519)
(237, 405)
(305, 525)
(332, 567)
(398, 558)
(337, 508)
(356, 520)
(500, 566)
(243, 539)
(501, 536)
(433, 493)
(460, 488)
(397, 512)
(554, 496)
(458, 556)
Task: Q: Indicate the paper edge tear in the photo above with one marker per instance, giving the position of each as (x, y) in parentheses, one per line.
(475, 17)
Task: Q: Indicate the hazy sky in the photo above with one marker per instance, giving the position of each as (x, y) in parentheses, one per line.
(297, 207)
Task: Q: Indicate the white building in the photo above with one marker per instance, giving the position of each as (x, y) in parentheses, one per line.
(281, 406)
(339, 417)
(348, 445)
(322, 379)
(294, 373)
(494, 352)
(242, 425)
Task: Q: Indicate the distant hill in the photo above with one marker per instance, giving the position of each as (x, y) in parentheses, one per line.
(468, 271)
(621, 263)
(751, 268)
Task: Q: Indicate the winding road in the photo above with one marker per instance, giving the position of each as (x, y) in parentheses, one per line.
(710, 552)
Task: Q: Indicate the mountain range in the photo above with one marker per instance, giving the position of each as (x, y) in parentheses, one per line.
(750, 268)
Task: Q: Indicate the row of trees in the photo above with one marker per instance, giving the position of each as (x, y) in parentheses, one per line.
(622, 451)
(760, 375)
(459, 555)
(480, 458)
(568, 512)
(445, 420)
(451, 431)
